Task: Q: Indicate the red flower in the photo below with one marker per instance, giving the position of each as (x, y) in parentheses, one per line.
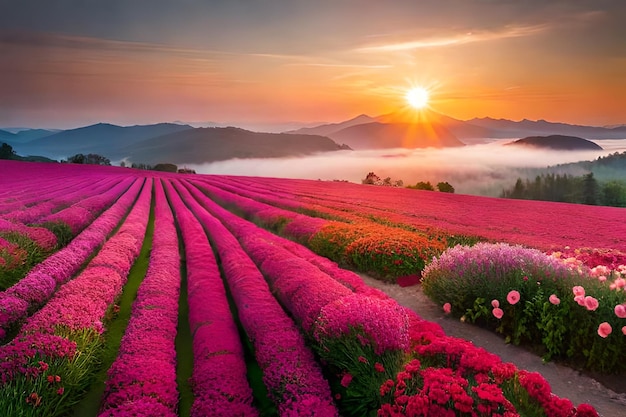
(379, 367)
(345, 381)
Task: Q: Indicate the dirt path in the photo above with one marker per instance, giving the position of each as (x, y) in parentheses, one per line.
(565, 382)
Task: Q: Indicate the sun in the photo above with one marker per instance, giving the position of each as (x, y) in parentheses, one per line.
(418, 97)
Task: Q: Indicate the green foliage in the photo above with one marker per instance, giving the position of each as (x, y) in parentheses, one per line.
(166, 167)
(445, 187)
(17, 265)
(36, 396)
(566, 188)
(557, 327)
(90, 159)
(61, 230)
(347, 357)
(422, 186)
(6, 151)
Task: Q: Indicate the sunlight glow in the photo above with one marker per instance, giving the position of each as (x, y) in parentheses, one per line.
(418, 97)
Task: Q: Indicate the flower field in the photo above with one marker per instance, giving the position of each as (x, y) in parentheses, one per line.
(225, 296)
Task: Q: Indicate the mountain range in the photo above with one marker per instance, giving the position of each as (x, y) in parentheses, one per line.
(181, 143)
(478, 128)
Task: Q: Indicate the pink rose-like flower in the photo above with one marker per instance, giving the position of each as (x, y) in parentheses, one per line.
(495, 303)
(345, 381)
(591, 303)
(578, 291)
(580, 299)
(620, 311)
(624, 330)
(497, 313)
(447, 308)
(604, 329)
(554, 300)
(513, 297)
(602, 278)
(620, 283)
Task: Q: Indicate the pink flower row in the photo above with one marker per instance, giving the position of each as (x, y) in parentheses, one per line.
(40, 235)
(42, 281)
(56, 199)
(142, 380)
(79, 215)
(219, 379)
(290, 372)
(82, 303)
(79, 305)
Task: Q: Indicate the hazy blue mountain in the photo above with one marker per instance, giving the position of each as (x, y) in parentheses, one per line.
(102, 138)
(32, 134)
(477, 128)
(200, 145)
(557, 142)
(502, 128)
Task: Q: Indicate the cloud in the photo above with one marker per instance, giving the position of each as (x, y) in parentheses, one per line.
(483, 169)
(456, 39)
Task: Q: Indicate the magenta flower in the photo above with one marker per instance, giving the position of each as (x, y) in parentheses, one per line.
(620, 311)
(447, 308)
(495, 303)
(604, 329)
(498, 313)
(513, 297)
(591, 303)
(345, 380)
(554, 300)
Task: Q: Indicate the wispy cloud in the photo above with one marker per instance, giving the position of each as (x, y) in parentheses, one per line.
(456, 39)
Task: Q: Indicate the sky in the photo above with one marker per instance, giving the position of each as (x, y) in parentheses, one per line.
(70, 63)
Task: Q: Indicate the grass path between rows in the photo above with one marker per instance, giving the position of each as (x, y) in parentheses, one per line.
(116, 327)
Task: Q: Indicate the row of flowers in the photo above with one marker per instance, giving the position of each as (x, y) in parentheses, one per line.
(355, 318)
(218, 381)
(290, 372)
(567, 310)
(142, 379)
(41, 283)
(58, 199)
(337, 321)
(530, 223)
(359, 244)
(72, 322)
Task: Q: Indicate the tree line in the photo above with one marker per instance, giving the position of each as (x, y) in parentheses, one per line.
(566, 188)
(373, 179)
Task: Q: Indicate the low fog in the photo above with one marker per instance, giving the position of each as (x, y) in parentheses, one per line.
(483, 169)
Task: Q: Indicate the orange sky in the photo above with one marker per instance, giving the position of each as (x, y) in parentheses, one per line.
(285, 61)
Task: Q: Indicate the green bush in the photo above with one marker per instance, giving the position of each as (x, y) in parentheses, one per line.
(529, 298)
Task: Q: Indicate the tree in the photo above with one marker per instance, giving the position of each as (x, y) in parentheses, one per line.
(424, 186)
(165, 167)
(91, 159)
(445, 187)
(6, 151)
(614, 194)
(371, 179)
(590, 190)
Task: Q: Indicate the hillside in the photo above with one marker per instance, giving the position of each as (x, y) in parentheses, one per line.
(101, 138)
(556, 142)
(378, 135)
(210, 144)
(479, 128)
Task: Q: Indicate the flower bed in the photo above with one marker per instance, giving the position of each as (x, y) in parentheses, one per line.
(219, 370)
(142, 380)
(531, 297)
